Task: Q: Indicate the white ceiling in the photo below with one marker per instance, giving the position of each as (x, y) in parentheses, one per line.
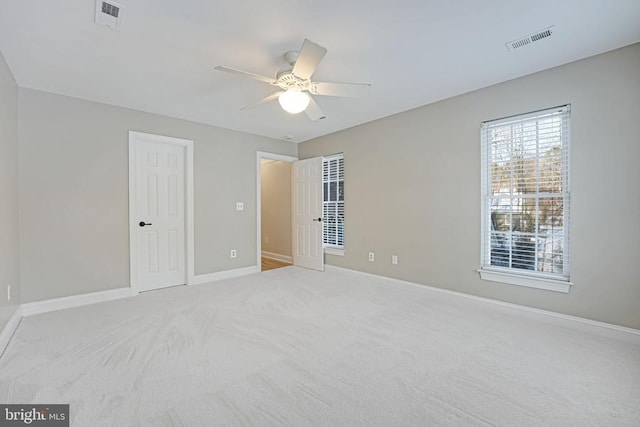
(413, 52)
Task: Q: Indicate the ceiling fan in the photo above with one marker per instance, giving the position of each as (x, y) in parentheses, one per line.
(294, 82)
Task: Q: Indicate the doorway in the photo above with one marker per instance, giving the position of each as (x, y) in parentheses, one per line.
(276, 214)
(306, 189)
(274, 240)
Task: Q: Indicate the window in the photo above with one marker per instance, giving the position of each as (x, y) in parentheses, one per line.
(525, 200)
(333, 201)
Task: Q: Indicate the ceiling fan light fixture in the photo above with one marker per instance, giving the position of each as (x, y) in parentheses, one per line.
(295, 87)
(294, 101)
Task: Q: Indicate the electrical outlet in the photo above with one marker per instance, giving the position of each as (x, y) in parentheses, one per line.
(394, 259)
(266, 239)
(239, 206)
(234, 253)
(9, 293)
(372, 256)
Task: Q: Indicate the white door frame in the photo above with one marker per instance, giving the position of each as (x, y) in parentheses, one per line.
(259, 156)
(187, 144)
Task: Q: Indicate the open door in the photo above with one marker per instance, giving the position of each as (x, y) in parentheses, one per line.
(307, 214)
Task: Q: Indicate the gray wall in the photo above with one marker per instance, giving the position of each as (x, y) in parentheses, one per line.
(74, 193)
(276, 207)
(8, 193)
(412, 188)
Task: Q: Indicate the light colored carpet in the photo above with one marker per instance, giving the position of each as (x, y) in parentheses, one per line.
(297, 347)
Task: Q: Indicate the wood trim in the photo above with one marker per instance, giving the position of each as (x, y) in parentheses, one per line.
(45, 306)
(277, 257)
(227, 274)
(9, 329)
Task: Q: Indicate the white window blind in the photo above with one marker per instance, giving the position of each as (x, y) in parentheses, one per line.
(333, 201)
(525, 194)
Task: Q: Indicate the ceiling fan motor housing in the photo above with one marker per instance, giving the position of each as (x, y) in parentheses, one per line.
(286, 80)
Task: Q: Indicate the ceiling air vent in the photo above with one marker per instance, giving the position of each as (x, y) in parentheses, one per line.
(531, 38)
(109, 13)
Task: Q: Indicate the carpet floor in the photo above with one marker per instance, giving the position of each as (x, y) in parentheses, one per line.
(294, 347)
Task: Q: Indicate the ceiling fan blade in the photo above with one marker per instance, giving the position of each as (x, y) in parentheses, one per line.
(349, 90)
(264, 100)
(313, 111)
(308, 59)
(245, 74)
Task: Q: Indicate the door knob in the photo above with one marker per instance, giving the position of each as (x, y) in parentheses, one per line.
(142, 223)
(319, 219)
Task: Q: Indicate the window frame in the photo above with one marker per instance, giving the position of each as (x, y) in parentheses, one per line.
(509, 274)
(332, 249)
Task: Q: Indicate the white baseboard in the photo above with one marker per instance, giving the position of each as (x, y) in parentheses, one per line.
(227, 274)
(613, 329)
(45, 306)
(277, 257)
(54, 304)
(9, 329)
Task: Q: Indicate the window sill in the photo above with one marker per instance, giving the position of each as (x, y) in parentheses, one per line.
(334, 251)
(528, 281)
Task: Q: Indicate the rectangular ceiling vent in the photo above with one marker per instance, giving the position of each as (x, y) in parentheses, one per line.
(531, 38)
(109, 14)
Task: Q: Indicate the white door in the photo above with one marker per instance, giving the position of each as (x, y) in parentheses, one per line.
(160, 222)
(307, 214)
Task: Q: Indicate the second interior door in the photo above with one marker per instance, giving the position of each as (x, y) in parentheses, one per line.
(308, 249)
